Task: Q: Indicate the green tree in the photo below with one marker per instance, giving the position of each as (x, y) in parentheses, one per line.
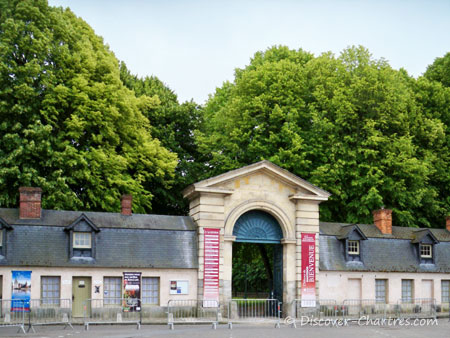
(174, 125)
(67, 122)
(439, 70)
(433, 96)
(348, 124)
(253, 265)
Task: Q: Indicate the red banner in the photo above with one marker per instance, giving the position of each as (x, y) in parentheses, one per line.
(308, 270)
(211, 267)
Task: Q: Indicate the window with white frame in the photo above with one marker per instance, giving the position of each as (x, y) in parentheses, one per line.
(353, 247)
(50, 289)
(150, 290)
(381, 290)
(407, 290)
(1, 237)
(112, 290)
(426, 251)
(445, 291)
(82, 240)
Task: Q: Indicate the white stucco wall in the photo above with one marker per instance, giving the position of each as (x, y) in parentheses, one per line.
(334, 284)
(97, 275)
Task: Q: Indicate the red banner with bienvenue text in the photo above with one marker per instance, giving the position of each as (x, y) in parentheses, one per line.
(308, 270)
(211, 267)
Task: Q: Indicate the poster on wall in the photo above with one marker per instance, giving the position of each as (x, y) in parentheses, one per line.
(131, 291)
(21, 291)
(211, 267)
(179, 287)
(308, 252)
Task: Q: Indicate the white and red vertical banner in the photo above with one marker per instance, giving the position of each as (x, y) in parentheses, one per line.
(308, 252)
(211, 267)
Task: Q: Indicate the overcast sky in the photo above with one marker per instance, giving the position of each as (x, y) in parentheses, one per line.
(193, 46)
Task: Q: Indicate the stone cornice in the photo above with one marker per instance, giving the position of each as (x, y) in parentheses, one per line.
(193, 190)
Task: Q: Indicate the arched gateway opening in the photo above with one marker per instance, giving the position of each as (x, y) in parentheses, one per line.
(257, 267)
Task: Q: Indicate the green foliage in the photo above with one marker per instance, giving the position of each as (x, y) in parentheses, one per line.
(352, 125)
(68, 124)
(174, 124)
(248, 266)
(80, 126)
(439, 70)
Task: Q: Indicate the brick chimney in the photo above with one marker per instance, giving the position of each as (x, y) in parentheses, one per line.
(30, 202)
(383, 220)
(126, 205)
(447, 223)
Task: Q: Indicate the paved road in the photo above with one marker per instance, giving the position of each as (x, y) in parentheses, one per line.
(442, 329)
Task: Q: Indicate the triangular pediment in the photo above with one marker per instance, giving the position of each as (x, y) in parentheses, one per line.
(352, 232)
(424, 236)
(301, 189)
(82, 223)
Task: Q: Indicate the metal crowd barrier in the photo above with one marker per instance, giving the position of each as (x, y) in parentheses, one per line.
(353, 309)
(417, 307)
(13, 313)
(111, 311)
(251, 310)
(444, 308)
(192, 311)
(153, 314)
(50, 311)
(324, 308)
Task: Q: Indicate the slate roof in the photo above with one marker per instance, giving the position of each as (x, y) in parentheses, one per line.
(136, 241)
(382, 253)
(371, 231)
(347, 229)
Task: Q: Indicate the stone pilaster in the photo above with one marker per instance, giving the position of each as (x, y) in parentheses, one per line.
(289, 276)
(306, 221)
(227, 245)
(207, 210)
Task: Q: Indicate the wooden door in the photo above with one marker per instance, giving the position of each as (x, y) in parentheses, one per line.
(354, 288)
(427, 288)
(81, 292)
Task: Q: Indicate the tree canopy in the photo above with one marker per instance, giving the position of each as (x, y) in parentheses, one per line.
(78, 124)
(67, 122)
(370, 135)
(174, 125)
(439, 70)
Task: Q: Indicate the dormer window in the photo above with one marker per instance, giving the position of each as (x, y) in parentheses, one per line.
(351, 237)
(82, 240)
(426, 251)
(424, 242)
(4, 227)
(353, 247)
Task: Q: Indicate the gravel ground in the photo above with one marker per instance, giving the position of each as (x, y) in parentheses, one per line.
(441, 328)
